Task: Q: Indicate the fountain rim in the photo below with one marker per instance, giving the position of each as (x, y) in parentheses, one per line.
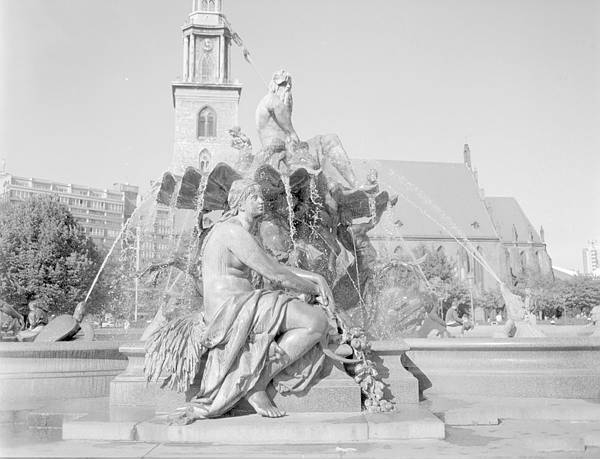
(83, 349)
(486, 344)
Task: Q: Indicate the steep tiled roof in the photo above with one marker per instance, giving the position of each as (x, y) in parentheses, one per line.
(563, 274)
(449, 186)
(508, 217)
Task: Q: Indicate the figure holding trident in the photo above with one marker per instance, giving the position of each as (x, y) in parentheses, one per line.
(252, 336)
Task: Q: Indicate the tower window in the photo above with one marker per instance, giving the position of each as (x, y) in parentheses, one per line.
(204, 161)
(204, 5)
(207, 123)
(211, 5)
(207, 68)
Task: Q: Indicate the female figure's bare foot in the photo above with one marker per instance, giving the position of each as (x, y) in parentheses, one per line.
(263, 405)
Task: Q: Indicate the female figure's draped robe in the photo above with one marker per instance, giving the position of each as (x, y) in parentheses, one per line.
(241, 333)
(241, 341)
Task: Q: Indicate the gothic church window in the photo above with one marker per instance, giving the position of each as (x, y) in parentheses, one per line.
(523, 261)
(204, 5)
(478, 269)
(204, 160)
(211, 5)
(207, 123)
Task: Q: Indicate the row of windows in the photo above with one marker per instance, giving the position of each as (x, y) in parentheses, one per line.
(115, 207)
(20, 194)
(64, 189)
(105, 223)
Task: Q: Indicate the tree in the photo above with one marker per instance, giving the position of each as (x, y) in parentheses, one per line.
(491, 301)
(45, 254)
(580, 294)
(436, 265)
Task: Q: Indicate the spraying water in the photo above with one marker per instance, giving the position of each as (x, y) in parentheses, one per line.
(290, 207)
(125, 226)
(514, 304)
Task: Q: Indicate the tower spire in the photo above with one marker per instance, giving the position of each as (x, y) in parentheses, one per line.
(205, 99)
(207, 5)
(467, 155)
(206, 44)
(206, 12)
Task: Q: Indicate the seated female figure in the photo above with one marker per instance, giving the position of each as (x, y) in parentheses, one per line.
(251, 334)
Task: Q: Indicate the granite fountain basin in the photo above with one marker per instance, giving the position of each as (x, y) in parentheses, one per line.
(54, 371)
(566, 367)
(534, 367)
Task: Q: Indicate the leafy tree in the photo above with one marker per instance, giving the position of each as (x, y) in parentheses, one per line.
(436, 265)
(580, 294)
(570, 297)
(491, 301)
(45, 254)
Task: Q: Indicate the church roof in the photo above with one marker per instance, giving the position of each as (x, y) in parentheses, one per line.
(447, 186)
(563, 273)
(508, 217)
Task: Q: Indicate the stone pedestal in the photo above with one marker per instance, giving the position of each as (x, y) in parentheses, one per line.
(410, 423)
(402, 387)
(335, 391)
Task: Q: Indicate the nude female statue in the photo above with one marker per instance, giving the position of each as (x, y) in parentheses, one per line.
(252, 334)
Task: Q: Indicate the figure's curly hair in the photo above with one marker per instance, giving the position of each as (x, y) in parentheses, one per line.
(239, 191)
(279, 77)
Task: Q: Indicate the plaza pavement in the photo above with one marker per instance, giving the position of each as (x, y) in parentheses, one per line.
(508, 428)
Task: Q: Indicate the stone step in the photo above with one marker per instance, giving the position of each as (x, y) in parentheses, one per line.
(308, 428)
(478, 411)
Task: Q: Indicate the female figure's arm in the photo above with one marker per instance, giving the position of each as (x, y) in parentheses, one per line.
(247, 250)
(325, 294)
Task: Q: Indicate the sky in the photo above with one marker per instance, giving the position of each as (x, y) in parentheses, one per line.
(85, 92)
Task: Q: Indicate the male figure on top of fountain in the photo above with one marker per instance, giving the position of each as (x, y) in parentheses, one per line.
(281, 143)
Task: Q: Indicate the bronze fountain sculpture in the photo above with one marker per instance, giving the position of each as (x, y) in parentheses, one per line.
(269, 315)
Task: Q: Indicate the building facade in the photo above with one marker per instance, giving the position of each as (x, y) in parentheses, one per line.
(442, 207)
(102, 212)
(205, 98)
(524, 247)
(591, 259)
(154, 236)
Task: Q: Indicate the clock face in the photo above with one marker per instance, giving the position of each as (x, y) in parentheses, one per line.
(207, 44)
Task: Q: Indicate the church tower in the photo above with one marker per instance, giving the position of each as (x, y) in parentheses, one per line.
(206, 100)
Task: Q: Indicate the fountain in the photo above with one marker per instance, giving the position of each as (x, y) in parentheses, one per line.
(317, 218)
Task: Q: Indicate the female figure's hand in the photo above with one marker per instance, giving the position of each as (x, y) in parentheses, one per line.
(325, 296)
